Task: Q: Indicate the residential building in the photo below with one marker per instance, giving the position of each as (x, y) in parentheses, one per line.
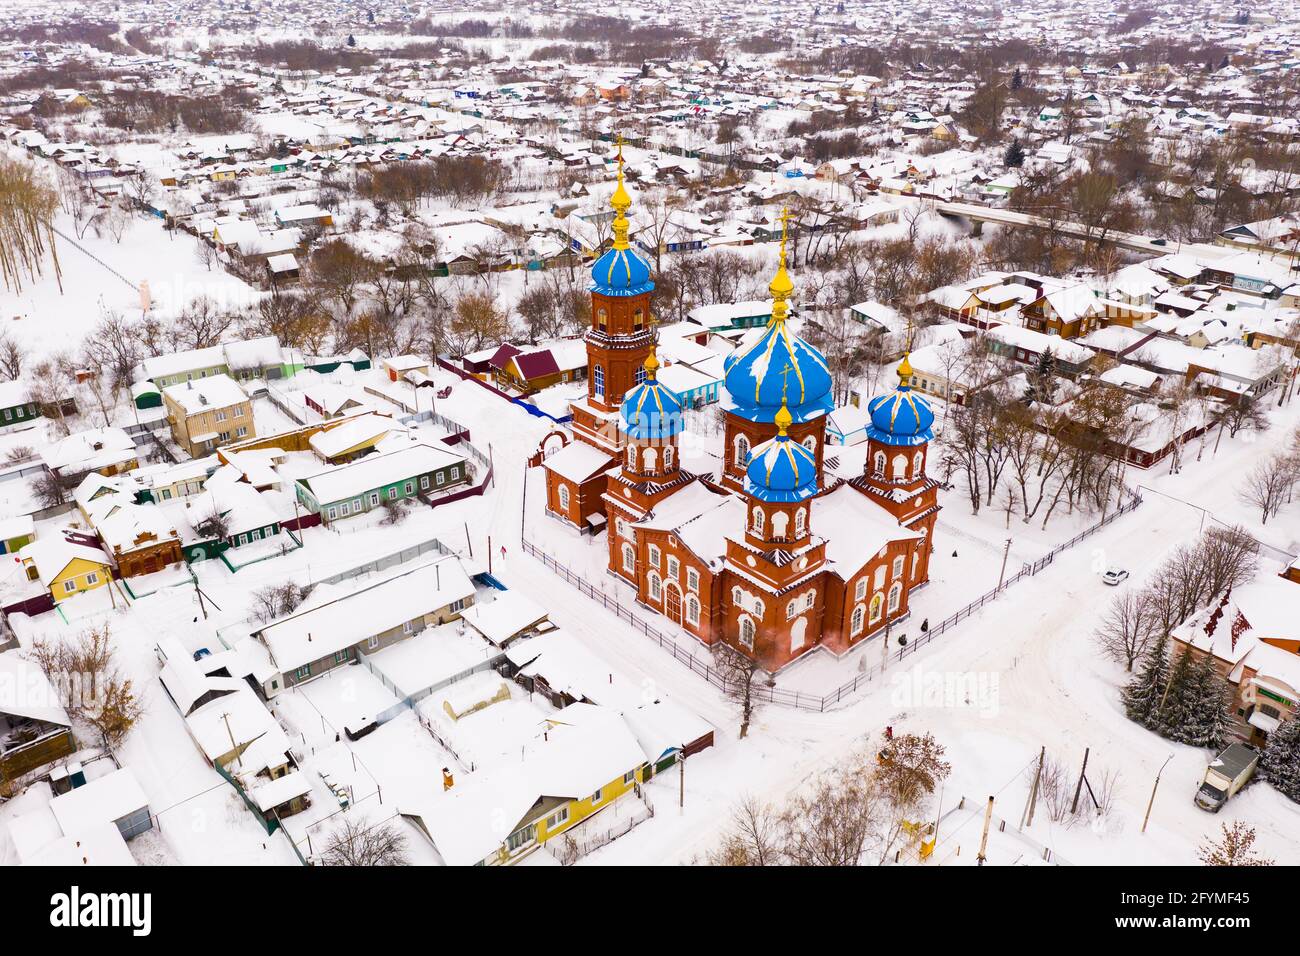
(208, 412)
(329, 633)
(374, 480)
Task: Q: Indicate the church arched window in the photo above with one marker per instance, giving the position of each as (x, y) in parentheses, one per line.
(742, 450)
(877, 605)
(598, 380)
(602, 318)
(800, 522)
(811, 443)
(895, 596)
(855, 628)
(692, 610)
(780, 520)
(564, 497)
(649, 459)
(640, 374)
(900, 466)
(916, 464)
(878, 463)
(631, 456)
(629, 559)
(668, 457)
(655, 587)
(747, 633)
(758, 520)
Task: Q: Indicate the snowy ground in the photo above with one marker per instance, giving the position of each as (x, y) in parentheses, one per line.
(46, 318)
(1032, 674)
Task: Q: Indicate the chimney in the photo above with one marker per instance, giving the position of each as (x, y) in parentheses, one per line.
(447, 781)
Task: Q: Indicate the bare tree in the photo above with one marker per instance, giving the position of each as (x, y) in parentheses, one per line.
(360, 843)
(753, 839)
(1127, 628)
(835, 821)
(51, 491)
(740, 674)
(215, 526)
(275, 601)
(91, 688)
(201, 324)
(1270, 484)
(12, 355)
(1245, 414)
(141, 185)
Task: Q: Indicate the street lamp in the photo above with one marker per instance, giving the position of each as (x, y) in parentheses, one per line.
(1152, 801)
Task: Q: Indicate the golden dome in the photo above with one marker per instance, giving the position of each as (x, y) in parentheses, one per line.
(783, 419)
(904, 371)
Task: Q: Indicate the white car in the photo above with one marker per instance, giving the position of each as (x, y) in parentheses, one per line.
(1114, 576)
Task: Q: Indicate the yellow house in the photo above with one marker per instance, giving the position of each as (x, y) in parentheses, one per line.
(352, 437)
(67, 564)
(584, 760)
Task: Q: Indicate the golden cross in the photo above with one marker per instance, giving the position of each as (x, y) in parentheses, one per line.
(785, 379)
(784, 220)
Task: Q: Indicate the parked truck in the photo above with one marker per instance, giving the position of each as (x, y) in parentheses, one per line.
(1226, 774)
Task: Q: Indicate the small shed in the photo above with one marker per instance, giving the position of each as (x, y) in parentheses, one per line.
(146, 395)
(508, 617)
(115, 798)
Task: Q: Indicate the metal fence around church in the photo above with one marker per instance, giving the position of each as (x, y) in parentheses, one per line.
(803, 700)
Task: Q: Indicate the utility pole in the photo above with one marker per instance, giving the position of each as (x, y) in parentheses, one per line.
(1074, 805)
(984, 837)
(1028, 819)
(233, 746)
(681, 778)
(1006, 551)
(938, 816)
(1152, 801)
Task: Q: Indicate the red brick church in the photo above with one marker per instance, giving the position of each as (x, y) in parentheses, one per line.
(775, 553)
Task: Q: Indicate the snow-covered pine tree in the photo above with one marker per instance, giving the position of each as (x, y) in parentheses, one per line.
(1175, 703)
(1206, 723)
(1280, 763)
(1014, 157)
(1142, 694)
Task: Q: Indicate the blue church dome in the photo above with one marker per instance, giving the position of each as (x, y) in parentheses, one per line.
(776, 365)
(651, 411)
(901, 417)
(781, 469)
(621, 272)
